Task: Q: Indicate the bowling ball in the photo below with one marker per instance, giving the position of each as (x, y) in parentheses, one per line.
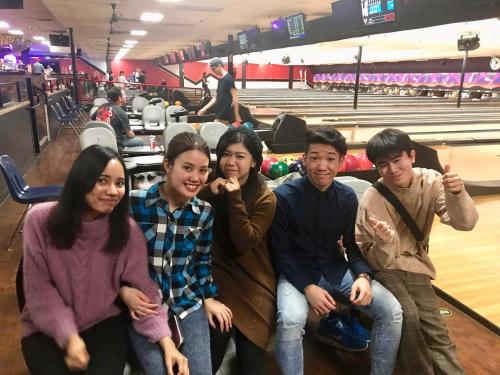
(248, 125)
(178, 102)
(266, 164)
(350, 163)
(363, 163)
(166, 104)
(288, 159)
(236, 124)
(278, 169)
(297, 166)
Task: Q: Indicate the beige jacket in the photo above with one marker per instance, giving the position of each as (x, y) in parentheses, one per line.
(423, 198)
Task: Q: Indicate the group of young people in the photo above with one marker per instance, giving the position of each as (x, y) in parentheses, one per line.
(230, 258)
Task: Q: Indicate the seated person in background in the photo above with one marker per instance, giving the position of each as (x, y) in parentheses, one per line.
(313, 214)
(113, 114)
(242, 269)
(77, 254)
(403, 264)
(226, 99)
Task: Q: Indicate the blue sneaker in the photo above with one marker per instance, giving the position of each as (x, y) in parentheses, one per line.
(353, 323)
(334, 332)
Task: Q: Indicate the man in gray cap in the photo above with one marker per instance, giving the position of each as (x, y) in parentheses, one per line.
(226, 100)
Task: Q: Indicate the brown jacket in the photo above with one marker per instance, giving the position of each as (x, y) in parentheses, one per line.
(241, 264)
(424, 198)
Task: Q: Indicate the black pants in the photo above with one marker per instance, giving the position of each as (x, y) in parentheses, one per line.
(251, 358)
(106, 344)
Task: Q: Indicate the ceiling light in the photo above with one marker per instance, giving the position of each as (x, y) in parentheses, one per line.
(151, 17)
(128, 46)
(16, 32)
(121, 53)
(4, 25)
(131, 42)
(138, 32)
(39, 38)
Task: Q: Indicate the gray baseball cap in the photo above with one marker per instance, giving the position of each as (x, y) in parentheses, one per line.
(215, 62)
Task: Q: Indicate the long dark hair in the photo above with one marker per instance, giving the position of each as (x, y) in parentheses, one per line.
(65, 219)
(255, 186)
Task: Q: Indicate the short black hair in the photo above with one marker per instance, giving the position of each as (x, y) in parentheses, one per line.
(327, 136)
(114, 94)
(388, 143)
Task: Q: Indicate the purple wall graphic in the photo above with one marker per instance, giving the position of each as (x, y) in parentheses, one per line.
(485, 80)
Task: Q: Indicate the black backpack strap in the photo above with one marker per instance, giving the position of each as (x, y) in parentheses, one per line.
(410, 223)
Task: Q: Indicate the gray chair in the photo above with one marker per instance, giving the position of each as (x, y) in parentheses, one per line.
(173, 109)
(99, 101)
(211, 133)
(139, 103)
(99, 135)
(153, 118)
(174, 129)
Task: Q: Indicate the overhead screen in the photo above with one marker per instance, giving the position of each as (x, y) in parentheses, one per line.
(350, 15)
(378, 11)
(57, 40)
(247, 40)
(11, 4)
(296, 26)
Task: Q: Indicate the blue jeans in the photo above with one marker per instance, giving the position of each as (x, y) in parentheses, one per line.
(196, 347)
(293, 308)
(132, 142)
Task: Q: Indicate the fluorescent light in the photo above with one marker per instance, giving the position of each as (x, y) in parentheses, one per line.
(4, 25)
(39, 38)
(138, 32)
(130, 42)
(46, 42)
(16, 32)
(151, 17)
(122, 52)
(128, 46)
(169, 1)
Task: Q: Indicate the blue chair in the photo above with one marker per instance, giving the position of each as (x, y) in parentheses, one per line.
(22, 193)
(64, 120)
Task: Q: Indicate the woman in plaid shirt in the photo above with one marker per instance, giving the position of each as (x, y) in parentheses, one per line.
(178, 230)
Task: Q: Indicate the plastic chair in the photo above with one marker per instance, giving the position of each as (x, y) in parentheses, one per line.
(22, 193)
(139, 103)
(64, 121)
(358, 185)
(211, 133)
(99, 101)
(173, 109)
(98, 136)
(174, 129)
(99, 124)
(153, 117)
(160, 102)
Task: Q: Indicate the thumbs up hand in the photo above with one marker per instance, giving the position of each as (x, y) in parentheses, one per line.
(381, 229)
(452, 181)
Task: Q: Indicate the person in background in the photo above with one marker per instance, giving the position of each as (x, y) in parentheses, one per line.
(402, 263)
(113, 114)
(226, 100)
(122, 80)
(38, 67)
(242, 269)
(77, 253)
(178, 230)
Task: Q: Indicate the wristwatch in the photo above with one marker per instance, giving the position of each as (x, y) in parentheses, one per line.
(366, 276)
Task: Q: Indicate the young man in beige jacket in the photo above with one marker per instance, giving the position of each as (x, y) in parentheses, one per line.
(402, 263)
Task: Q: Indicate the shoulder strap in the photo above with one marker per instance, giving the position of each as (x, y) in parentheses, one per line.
(410, 223)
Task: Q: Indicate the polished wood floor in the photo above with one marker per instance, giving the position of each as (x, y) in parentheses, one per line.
(478, 348)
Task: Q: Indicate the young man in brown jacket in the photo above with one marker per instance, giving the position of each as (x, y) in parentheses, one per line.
(402, 263)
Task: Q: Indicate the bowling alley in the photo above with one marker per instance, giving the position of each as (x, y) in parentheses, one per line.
(249, 187)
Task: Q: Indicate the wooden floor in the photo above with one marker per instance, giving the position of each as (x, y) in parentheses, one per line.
(464, 270)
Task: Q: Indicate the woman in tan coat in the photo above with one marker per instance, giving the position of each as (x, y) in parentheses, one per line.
(244, 209)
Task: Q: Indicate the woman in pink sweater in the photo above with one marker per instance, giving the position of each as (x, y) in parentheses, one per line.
(77, 253)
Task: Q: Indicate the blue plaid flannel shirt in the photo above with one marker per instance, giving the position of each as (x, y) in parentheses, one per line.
(178, 248)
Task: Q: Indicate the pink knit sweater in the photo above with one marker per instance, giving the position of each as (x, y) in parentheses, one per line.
(68, 291)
